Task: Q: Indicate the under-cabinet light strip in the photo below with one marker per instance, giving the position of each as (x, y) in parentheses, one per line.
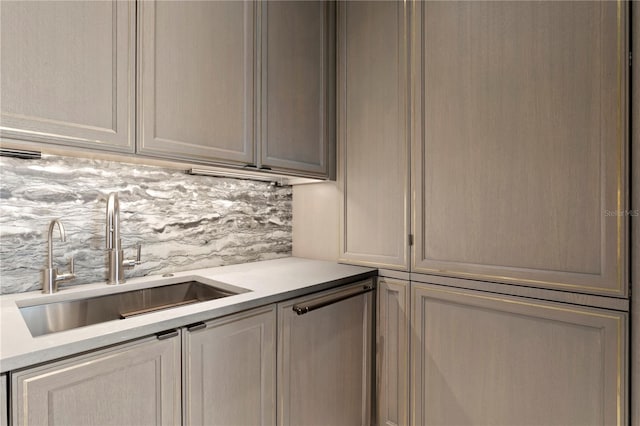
(18, 153)
(275, 180)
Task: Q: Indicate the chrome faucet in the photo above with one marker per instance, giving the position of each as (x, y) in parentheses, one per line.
(114, 245)
(50, 276)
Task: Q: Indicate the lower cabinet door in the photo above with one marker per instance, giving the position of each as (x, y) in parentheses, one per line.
(486, 359)
(4, 401)
(229, 370)
(392, 352)
(324, 358)
(130, 384)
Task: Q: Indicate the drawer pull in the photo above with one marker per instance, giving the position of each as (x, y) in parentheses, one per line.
(167, 334)
(196, 326)
(303, 308)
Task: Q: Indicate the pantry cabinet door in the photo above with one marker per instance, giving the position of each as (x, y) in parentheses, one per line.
(67, 73)
(520, 143)
(298, 69)
(196, 80)
(373, 135)
(487, 359)
(230, 370)
(132, 384)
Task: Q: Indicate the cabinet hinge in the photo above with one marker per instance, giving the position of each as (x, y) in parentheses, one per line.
(410, 238)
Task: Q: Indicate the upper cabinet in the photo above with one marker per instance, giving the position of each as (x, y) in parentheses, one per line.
(232, 83)
(520, 143)
(67, 72)
(196, 80)
(297, 101)
(373, 136)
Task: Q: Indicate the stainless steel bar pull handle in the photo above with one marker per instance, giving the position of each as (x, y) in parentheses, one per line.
(312, 305)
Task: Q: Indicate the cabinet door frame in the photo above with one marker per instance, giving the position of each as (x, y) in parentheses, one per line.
(4, 401)
(398, 258)
(120, 137)
(284, 375)
(165, 353)
(325, 168)
(612, 326)
(392, 354)
(613, 279)
(148, 143)
(264, 319)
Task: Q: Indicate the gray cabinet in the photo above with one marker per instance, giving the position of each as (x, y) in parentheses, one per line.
(297, 94)
(67, 73)
(393, 333)
(238, 83)
(196, 80)
(232, 83)
(520, 144)
(480, 359)
(324, 358)
(4, 401)
(136, 383)
(373, 136)
(230, 370)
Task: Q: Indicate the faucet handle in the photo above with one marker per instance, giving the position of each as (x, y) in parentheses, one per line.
(130, 263)
(68, 275)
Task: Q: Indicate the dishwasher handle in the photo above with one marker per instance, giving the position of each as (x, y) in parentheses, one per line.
(312, 305)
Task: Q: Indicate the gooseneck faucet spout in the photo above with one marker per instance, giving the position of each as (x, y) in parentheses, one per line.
(50, 275)
(116, 265)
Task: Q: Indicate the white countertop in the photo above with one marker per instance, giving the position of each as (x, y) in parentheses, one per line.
(269, 281)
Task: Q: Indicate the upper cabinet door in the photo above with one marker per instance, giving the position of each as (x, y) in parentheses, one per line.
(297, 128)
(67, 72)
(520, 143)
(196, 80)
(373, 135)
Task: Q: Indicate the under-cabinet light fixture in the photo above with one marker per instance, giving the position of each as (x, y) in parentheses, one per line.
(274, 180)
(19, 153)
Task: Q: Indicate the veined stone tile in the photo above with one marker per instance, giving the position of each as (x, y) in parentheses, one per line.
(183, 222)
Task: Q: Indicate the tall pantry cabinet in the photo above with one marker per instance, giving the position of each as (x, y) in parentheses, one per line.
(373, 134)
(519, 130)
(517, 116)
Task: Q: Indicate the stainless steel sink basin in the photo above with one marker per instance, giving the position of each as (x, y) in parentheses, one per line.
(65, 315)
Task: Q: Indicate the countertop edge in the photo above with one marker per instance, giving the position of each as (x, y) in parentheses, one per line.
(77, 347)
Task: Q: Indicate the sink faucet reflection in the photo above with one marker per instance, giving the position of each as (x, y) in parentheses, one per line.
(116, 265)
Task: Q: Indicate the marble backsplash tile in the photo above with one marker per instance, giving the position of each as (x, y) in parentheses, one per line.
(183, 222)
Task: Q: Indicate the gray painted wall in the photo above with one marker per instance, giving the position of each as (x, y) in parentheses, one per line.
(183, 222)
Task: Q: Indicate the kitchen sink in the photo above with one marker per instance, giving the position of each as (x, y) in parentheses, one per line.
(65, 315)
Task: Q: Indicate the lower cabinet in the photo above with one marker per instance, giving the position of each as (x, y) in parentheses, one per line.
(324, 358)
(392, 352)
(487, 359)
(221, 372)
(4, 401)
(130, 384)
(229, 370)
